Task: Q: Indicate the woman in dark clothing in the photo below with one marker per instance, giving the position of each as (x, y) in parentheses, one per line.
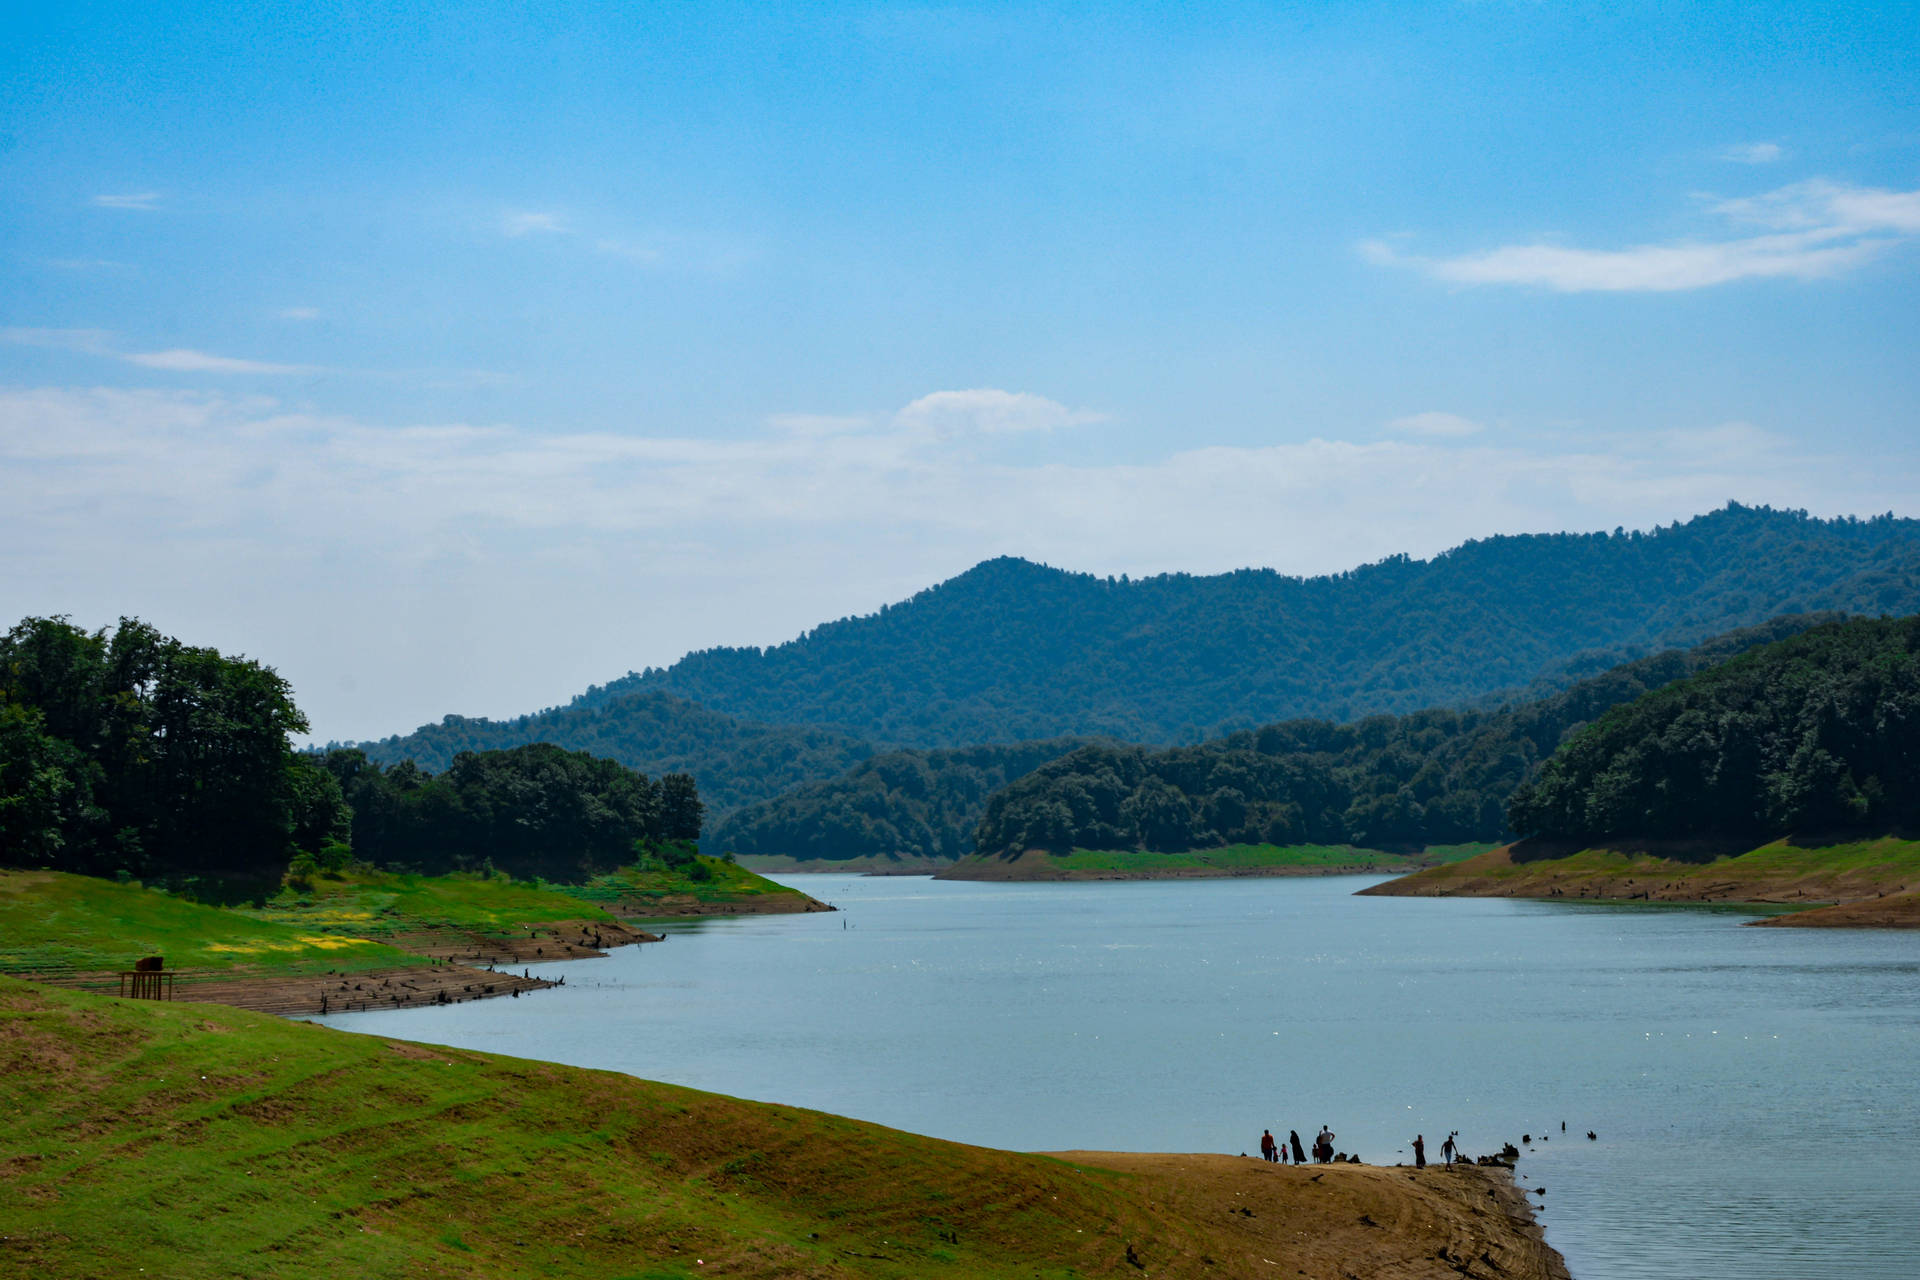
(1299, 1152)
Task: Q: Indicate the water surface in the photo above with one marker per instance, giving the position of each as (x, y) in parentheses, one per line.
(1756, 1092)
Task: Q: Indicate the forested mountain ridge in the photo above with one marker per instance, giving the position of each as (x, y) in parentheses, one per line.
(734, 761)
(1817, 733)
(1392, 782)
(900, 804)
(1012, 651)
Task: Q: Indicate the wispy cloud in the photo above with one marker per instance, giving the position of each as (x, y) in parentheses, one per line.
(100, 342)
(1436, 424)
(1817, 229)
(298, 313)
(144, 200)
(183, 360)
(531, 222)
(86, 264)
(1752, 153)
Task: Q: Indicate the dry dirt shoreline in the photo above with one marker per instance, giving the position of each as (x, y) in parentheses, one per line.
(1852, 897)
(1256, 1219)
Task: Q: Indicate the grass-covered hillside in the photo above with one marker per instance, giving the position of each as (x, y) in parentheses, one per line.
(193, 1141)
(53, 923)
(700, 886)
(370, 903)
(1013, 651)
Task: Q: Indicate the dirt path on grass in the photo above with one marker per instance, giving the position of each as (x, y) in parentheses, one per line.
(1251, 1218)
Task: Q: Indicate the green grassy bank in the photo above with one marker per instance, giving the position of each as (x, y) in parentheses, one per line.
(52, 922)
(704, 886)
(375, 904)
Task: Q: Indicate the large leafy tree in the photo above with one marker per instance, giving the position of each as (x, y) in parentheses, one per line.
(128, 750)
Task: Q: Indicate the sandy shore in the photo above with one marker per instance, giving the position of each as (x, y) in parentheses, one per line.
(1250, 1218)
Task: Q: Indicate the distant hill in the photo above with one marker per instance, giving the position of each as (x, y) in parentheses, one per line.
(901, 804)
(733, 762)
(1012, 651)
(1436, 777)
(1818, 733)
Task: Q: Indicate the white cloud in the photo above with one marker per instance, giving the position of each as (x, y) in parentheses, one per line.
(145, 200)
(1817, 229)
(399, 573)
(948, 413)
(534, 223)
(1435, 423)
(99, 342)
(298, 313)
(1752, 153)
(182, 360)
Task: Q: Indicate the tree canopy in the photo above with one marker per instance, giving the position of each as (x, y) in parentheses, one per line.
(1817, 733)
(129, 751)
(903, 804)
(532, 811)
(1391, 782)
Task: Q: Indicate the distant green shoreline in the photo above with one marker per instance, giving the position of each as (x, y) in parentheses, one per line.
(1225, 861)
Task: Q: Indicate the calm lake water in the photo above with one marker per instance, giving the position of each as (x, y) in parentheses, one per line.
(1756, 1092)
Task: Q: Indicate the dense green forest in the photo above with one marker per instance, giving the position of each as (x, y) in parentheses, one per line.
(129, 751)
(1388, 782)
(736, 762)
(1814, 734)
(532, 811)
(906, 804)
(1013, 651)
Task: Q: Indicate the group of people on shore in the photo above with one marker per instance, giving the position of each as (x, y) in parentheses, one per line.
(1274, 1151)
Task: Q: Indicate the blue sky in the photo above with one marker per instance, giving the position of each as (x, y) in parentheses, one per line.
(452, 358)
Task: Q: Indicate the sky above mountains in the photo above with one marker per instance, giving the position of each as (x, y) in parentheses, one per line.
(452, 358)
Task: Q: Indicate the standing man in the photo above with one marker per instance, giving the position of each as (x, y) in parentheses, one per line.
(1323, 1145)
(1448, 1148)
(1268, 1151)
(1419, 1151)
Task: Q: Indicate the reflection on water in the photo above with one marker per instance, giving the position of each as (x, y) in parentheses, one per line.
(1755, 1091)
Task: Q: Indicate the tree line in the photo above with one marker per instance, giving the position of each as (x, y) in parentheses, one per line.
(1818, 733)
(901, 804)
(1390, 782)
(127, 752)
(537, 811)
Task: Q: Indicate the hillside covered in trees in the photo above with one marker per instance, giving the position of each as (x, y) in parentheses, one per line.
(1817, 733)
(735, 762)
(1014, 651)
(901, 804)
(1389, 782)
